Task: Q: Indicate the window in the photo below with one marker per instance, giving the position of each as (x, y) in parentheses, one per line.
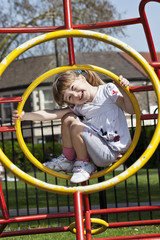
(46, 99)
(7, 108)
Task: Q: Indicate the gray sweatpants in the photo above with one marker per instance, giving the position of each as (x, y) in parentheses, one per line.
(100, 153)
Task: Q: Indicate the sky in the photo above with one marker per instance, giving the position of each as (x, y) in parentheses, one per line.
(135, 34)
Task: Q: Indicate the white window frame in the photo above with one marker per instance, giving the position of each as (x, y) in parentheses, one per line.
(42, 99)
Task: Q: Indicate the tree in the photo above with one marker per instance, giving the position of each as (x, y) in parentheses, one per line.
(27, 13)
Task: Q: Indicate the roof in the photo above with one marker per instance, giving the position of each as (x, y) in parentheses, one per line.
(112, 61)
(146, 55)
(22, 72)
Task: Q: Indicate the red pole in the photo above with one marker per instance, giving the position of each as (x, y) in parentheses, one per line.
(148, 31)
(3, 208)
(88, 225)
(87, 215)
(85, 199)
(68, 25)
(78, 207)
(3, 204)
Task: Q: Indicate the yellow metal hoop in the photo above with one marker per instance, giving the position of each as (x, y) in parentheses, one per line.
(93, 231)
(62, 69)
(144, 157)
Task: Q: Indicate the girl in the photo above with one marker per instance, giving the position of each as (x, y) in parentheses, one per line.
(94, 126)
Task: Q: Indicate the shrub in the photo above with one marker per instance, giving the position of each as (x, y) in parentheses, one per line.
(16, 155)
(145, 138)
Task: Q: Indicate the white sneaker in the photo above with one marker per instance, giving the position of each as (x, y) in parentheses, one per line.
(82, 171)
(60, 164)
(118, 158)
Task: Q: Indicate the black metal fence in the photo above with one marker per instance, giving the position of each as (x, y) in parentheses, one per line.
(142, 189)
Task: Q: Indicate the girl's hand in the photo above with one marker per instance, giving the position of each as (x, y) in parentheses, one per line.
(124, 101)
(123, 81)
(16, 116)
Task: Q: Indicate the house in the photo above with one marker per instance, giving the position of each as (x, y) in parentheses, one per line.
(21, 73)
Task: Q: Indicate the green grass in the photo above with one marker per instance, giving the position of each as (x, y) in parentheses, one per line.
(107, 233)
(122, 196)
(133, 193)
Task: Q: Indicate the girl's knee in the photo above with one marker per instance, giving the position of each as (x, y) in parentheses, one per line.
(72, 122)
(68, 119)
(76, 128)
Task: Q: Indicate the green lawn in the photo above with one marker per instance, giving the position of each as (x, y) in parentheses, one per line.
(107, 233)
(19, 199)
(133, 193)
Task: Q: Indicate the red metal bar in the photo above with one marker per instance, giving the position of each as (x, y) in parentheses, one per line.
(87, 214)
(155, 64)
(34, 231)
(68, 25)
(85, 200)
(3, 204)
(125, 209)
(10, 99)
(78, 196)
(149, 116)
(7, 129)
(6, 30)
(117, 23)
(134, 223)
(87, 26)
(141, 88)
(88, 225)
(151, 238)
(3, 208)
(79, 216)
(148, 31)
(134, 237)
(86, 203)
(37, 217)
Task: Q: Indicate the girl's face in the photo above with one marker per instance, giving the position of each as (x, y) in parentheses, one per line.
(79, 92)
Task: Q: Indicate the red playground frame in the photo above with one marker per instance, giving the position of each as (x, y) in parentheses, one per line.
(81, 202)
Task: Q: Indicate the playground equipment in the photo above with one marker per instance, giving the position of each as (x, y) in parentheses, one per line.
(82, 191)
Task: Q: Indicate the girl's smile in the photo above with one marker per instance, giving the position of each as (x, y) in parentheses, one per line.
(79, 92)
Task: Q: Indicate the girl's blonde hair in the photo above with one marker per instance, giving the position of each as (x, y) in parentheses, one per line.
(65, 79)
